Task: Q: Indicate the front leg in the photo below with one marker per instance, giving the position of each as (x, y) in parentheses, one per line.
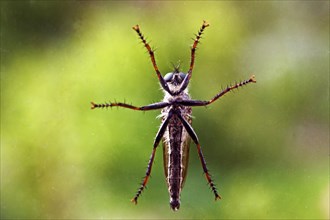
(151, 52)
(186, 80)
(154, 106)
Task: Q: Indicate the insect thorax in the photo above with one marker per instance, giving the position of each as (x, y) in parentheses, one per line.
(184, 110)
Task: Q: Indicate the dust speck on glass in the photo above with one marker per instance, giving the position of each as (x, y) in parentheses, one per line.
(175, 130)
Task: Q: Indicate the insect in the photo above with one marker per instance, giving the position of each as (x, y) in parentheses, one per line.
(175, 130)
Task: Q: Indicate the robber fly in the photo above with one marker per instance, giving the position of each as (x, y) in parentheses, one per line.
(175, 130)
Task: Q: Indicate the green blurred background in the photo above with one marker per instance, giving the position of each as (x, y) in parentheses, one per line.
(267, 144)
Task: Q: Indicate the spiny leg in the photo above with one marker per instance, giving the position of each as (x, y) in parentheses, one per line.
(216, 97)
(185, 82)
(159, 136)
(194, 46)
(194, 137)
(154, 106)
(152, 57)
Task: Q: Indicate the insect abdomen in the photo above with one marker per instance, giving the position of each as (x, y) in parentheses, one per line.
(176, 155)
(174, 168)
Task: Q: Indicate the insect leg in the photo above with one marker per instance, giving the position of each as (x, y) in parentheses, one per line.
(153, 106)
(159, 136)
(185, 82)
(151, 52)
(216, 97)
(194, 137)
(194, 46)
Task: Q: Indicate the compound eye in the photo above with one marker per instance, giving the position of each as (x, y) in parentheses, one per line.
(182, 76)
(168, 77)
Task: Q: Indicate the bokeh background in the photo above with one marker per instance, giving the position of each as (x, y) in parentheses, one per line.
(267, 144)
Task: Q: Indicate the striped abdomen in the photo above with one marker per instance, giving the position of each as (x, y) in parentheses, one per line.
(176, 154)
